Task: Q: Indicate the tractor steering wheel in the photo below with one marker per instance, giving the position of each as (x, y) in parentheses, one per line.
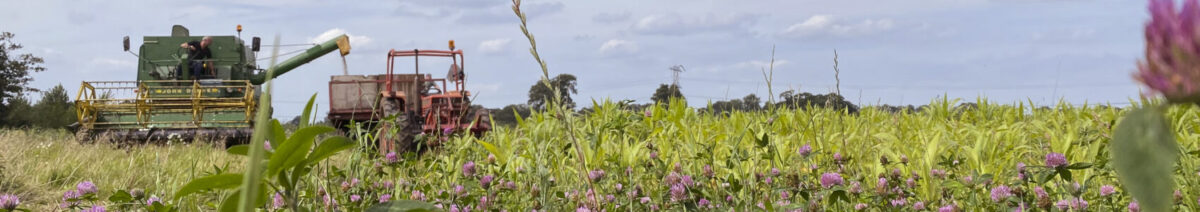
(181, 56)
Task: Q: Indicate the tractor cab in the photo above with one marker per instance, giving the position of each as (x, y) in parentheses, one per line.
(412, 103)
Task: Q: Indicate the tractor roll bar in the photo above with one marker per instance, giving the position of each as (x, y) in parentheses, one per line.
(455, 55)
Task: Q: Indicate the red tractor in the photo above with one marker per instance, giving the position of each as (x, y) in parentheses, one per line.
(405, 106)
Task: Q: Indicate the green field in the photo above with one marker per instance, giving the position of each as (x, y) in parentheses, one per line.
(663, 158)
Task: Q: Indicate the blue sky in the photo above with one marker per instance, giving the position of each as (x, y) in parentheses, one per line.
(889, 52)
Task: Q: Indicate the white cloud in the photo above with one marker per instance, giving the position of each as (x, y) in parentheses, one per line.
(753, 66)
(583, 37)
(618, 46)
(461, 4)
(355, 41)
(484, 88)
(494, 45)
(539, 9)
(1064, 34)
(46, 24)
(611, 17)
(50, 51)
(815, 22)
(504, 15)
(80, 18)
(196, 12)
(412, 10)
(279, 3)
(761, 64)
(114, 63)
(946, 33)
(674, 24)
(828, 25)
(937, 32)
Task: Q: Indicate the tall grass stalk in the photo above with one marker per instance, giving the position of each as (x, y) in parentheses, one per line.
(254, 166)
(557, 107)
(769, 77)
(837, 72)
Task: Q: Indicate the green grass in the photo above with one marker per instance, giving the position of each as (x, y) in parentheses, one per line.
(986, 142)
(38, 165)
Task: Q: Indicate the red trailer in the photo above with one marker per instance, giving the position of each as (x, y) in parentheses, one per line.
(405, 105)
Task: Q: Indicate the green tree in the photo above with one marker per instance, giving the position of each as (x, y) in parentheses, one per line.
(800, 100)
(750, 102)
(540, 95)
(14, 72)
(665, 93)
(507, 116)
(632, 105)
(18, 113)
(55, 109)
(898, 108)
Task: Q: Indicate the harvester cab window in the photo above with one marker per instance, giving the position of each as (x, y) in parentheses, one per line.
(200, 56)
(197, 50)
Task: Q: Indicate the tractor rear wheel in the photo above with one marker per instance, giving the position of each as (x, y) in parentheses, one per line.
(399, 134)
(482, 122)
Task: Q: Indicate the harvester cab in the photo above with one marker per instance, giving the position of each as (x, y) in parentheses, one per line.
(405, 105)
(169, 101)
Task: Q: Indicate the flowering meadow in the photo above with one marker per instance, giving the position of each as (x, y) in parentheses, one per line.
(944, 158)
(947, 156)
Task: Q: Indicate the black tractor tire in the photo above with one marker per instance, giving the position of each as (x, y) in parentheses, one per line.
(398, 135)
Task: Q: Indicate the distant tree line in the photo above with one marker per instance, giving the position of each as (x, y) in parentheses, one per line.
(789, 100)
(53, 110)
(540, 96)
(565, 84)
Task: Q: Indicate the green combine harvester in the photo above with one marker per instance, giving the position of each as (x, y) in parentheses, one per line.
(169, 102)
